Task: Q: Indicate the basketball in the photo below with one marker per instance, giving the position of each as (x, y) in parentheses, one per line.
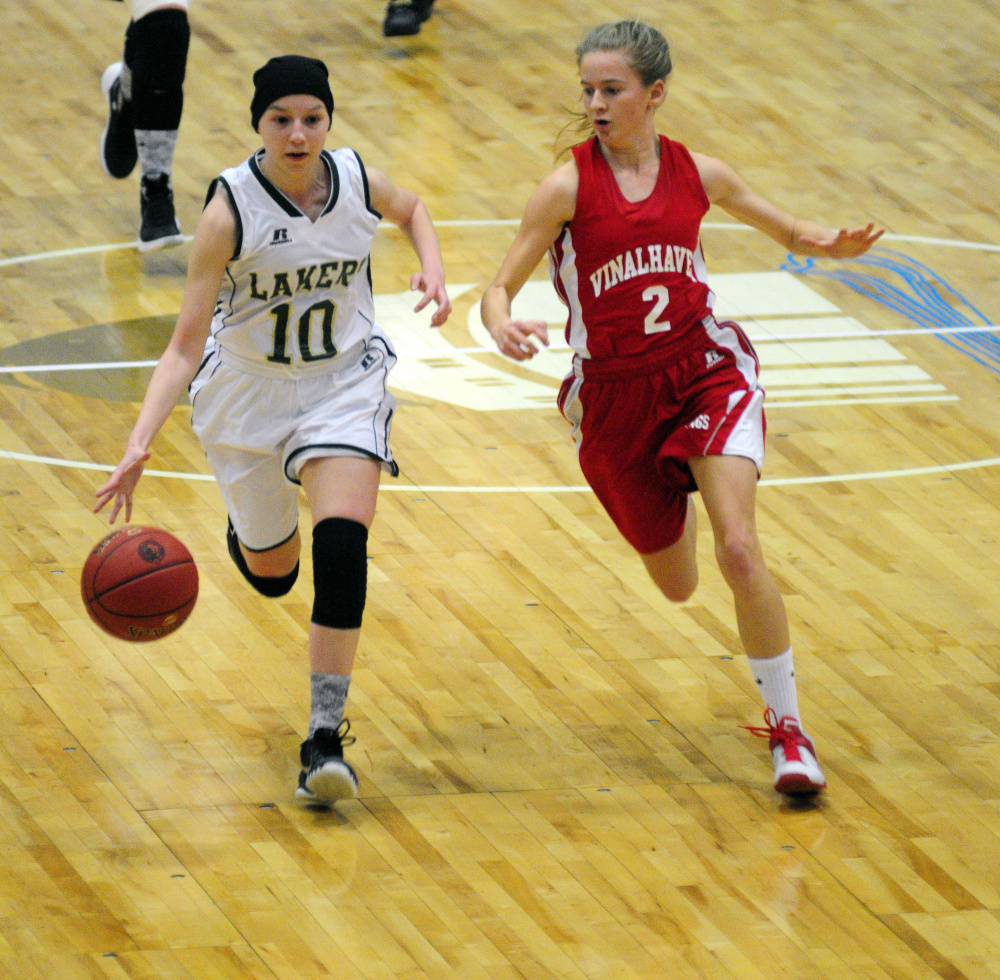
(139, 583)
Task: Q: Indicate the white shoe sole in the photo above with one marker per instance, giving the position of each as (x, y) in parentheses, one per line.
(797, 777)
(798, 783)
(334, 781)
(159, 242)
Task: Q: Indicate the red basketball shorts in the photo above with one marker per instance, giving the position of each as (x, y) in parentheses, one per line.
(637, 425)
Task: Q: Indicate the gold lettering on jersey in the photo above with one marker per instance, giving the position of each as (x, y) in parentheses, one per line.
(256, 293)
(640, 262)
(347, 272)
(327, 276)
(305, 278)
(324, 281)
(281, 287)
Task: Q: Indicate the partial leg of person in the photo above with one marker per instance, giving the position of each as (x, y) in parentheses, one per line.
(342, 492)
(675, 569)
(145, 102)
(273, 571)
(403, 17)
(325, 776)
(728, 486)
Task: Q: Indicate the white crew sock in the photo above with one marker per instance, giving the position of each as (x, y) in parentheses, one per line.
(775, 677)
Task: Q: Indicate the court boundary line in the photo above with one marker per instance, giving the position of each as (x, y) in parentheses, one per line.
(483, 223)
(415, 488)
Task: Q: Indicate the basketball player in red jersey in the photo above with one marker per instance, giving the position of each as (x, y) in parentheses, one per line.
(663, 399)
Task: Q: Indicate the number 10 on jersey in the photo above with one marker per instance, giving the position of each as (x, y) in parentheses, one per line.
(281, 314)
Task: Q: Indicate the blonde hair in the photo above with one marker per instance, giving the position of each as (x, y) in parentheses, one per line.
(644, 46)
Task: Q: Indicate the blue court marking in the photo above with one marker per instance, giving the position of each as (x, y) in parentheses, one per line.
(916, 291)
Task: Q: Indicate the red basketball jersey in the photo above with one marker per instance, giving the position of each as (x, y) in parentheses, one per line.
(632, 273)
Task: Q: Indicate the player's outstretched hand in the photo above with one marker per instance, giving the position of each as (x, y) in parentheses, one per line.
(848, 243)
(514, 338)
(121, 484)
(433, 289)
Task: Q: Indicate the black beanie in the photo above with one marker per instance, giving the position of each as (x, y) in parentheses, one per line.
(291, 74)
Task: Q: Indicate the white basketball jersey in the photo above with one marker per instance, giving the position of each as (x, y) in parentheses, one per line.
(296, 292)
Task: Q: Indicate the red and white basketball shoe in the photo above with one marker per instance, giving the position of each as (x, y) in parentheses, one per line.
(796, 770)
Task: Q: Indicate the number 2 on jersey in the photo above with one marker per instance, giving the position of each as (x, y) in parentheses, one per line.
(280, 313)
(662, 297)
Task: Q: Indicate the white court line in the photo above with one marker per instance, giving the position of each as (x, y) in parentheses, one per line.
(118, 246)
(410, 488)
(807, 402)
(102, 467)
(844, 335)
(489, 223)
(974, 464)
(97, 366)
(438, 352)
(947, 242)
(70, 252)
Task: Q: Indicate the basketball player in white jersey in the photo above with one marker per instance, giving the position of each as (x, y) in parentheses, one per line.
(287, 372)
(145, 99)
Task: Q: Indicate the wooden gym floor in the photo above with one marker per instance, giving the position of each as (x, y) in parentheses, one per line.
(553, 780)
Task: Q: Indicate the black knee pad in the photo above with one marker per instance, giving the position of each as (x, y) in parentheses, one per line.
(156, 48)
(273, 586)
(340, 572)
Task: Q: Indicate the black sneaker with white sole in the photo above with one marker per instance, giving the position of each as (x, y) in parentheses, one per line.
(119, 152)
(158, 226)
(325, 776)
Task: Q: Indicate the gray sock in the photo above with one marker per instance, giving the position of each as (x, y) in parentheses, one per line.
(156, 150)
(329, 694)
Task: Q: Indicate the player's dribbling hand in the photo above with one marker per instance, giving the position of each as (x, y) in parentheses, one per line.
(433, 289)
(121, 485)
(514, 338)
(847, 243)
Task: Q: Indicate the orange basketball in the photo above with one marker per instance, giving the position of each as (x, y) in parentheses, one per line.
(139, 583)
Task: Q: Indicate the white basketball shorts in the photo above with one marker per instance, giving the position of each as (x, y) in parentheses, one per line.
(258, 429)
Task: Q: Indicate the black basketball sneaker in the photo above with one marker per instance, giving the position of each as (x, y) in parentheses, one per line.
(325, 776)
(118, 150)
(404, 17)
(158, 225)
